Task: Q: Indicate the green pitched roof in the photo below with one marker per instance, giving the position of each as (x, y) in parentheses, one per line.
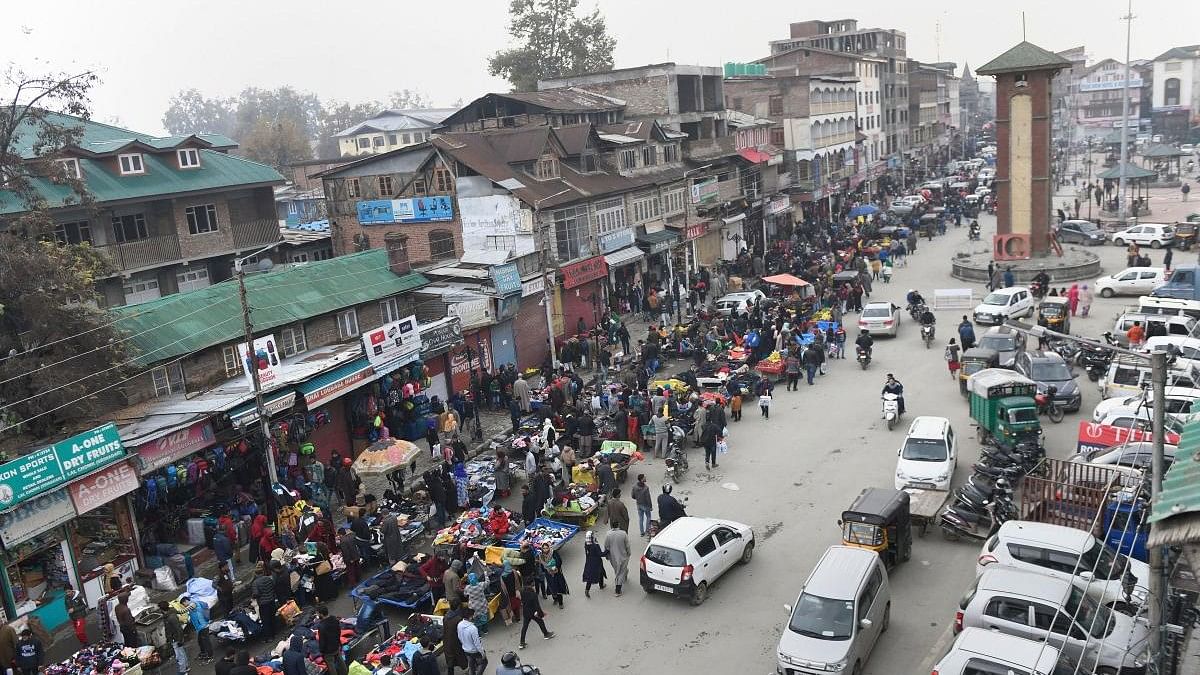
(217, 170)
(1181, 485)
(1162, 150)
(187, 322)
(1024, 56)
(1131, 171)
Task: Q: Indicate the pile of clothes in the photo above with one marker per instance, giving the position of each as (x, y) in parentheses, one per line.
(103, 657)
(401, 646)
(396, 588)
(238, 625)
(542, 531)
(574, 498)
(479, 527)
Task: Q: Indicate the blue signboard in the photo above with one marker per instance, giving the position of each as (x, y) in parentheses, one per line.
(506, 278)
(414, 210)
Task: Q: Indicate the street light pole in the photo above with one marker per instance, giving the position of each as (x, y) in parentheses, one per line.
(1128, 18)
(259, 406)
(1158, 365)
(547, 276)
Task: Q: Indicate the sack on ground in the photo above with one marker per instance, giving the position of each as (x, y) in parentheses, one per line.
(164, 579)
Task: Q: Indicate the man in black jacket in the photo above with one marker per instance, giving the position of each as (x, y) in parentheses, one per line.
(669, 508)
(329, 641)
(262, 589)
(529, 504)
(531, 612)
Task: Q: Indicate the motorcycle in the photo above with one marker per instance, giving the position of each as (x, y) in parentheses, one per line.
(676, 461)
(915, 311)
(1046, 404)
(927, 334)
(864, 357)
(1037, 289)
(958, 522)
(973, 234)
(1095, 359)
(891, 409)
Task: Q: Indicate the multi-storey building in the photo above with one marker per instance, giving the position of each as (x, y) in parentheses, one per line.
(1099, 103)
(1175, 101)
(390, 130)
(169, 214)
(1064, 90)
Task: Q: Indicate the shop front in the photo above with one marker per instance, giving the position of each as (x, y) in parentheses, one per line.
(44, 547)
(777, 217)
(581, 295)
(706, 243)
(104, 531)
(657, 243)
(732, 234)
(437, 339)
(621, 258)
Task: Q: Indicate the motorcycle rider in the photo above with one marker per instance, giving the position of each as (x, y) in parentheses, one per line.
(865, 342)
(1042, 281)
(669, 508)
(893, 386)
(914, 298)
(927, 318)
(973, 232)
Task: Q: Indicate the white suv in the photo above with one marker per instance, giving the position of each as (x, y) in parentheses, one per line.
(1003, 304)
(1154, 235)
(691, 553)
(928, 456)
(1065, 553)
(977, 652)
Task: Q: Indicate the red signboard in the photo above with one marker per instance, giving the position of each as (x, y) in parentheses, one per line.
(696, 230)
(102, 487)
(1093, 436)
(477, 346)
(584, 271)
(162, 451)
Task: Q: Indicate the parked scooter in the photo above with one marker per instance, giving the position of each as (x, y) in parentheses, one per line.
(676, 461)
(864, 357)
(891, 409)
(1095, 359)
(974, 519)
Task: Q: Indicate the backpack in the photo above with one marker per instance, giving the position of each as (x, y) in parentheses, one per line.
(948, 354)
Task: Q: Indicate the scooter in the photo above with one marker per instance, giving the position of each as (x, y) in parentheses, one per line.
(1095, 359)
(927, 334)
(1046, 404)
(891, 409)
(959, 522)
(864, 357)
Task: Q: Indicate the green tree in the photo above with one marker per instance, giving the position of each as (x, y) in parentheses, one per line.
(190, 112)
(552, 41)
(409, 99)
(57, 350)
(337, 116)
(276, 142)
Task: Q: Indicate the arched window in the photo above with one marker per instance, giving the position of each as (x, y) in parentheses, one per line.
(1171, 91)
(441, 244)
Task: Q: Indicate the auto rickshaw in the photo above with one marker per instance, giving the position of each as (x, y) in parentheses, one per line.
(879, 521)
(1054, 313)
(845, 277)
(974, 360)
(1185, 232)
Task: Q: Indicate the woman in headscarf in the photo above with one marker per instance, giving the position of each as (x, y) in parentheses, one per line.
(460, 485)
(476, 594)
(556, 582)
(393, 539)
(1073, 298)
(1085, 299)
(511, 584)
(112, 580)
(593, 564)
(256, 532)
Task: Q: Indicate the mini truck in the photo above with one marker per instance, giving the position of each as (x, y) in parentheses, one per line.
(1002, 406)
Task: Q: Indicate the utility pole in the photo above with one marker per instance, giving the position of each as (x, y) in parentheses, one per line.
(1158, 365)
(259, 406)
(1128, 19)
(548, 275)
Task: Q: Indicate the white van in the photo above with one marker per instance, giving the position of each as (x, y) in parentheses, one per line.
(1128, 375)
(1173, 325)
(1156, 305)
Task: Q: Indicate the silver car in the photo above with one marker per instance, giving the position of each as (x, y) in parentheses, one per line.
(976, 651)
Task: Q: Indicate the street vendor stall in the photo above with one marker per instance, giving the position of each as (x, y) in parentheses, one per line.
(621, 455)
(385, 456)
(543, 531)
(399, 586)
(401, 646)
(579, 501)
(476, 529)
(107, 658)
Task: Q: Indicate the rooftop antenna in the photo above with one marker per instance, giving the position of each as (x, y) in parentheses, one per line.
(1023, 38)
(937, 38)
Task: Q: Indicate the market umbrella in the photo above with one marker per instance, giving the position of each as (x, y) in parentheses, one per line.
(785, 280)
(384, 456)
(864, 210)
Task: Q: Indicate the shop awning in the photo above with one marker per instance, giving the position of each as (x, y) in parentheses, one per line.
(754, 155)
(629, 254)
(332, 384)
(734, 219)
(656, 242)
(274, 402)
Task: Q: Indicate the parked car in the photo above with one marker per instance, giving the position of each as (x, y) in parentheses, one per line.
(1181, 401)
(1080, 232)
(900, 207)
(1007, 343)
(1049, 369)
(690, 554)
(987, 652)
(1041, 607)
(1172, 325)
(1187, 148)
(1132, 459)
(731, 303)
(1154, 235)
(1131, 281)
(1065, 553)
(928, 456)
(842, 609)
(880, 318)
(1003, 304)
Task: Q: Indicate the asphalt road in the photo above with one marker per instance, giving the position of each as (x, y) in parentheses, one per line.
(790, 477)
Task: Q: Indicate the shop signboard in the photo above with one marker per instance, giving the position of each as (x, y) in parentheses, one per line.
(440, 336)
(265, 358)
(584, 271)
(696, 230)
(705, 191)
(49, 467)
(506, 278)
(616, 240)
(103, 487)
(778, 205)
(417, 210)
(507, 308)
(475, 355)
(166, 449)
(35, 516)
(392, 341)
(473, 313)
(535, 285)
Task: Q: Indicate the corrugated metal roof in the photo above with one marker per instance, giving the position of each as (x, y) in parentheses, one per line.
(568, 99)
(1024, 56)
(1175, 513)
(187, 322)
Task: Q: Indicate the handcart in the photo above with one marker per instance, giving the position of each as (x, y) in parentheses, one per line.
(924, 506)
(627, 448)
(773, 369)
(360, 598)
(541, 530)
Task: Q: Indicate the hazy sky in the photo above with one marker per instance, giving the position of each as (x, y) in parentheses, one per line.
(146, 51)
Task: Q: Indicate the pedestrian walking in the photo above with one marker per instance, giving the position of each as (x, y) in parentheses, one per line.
(30, 653)
(472, 644)
(812, 361)
(351, 555)
(735, 406)
(1073, 298)
(764, 405)
(262, 589)
(329, 641)
(991, 275)
(966, 333)
(1167, 257)
(618, 513)
(662, 433)
(77, 611)
(951, 355)
(593, 564)
(791, 366)
(645, 504)
(532, 612)
(1009, 279)
(1185, 189)
(616, 549)
(176, 636)
(709, 440)
(1085, 299)
(451, 648)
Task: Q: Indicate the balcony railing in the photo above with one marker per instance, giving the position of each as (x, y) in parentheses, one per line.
(142, 253)
(825, 108)
(835, 140)
(255, 233)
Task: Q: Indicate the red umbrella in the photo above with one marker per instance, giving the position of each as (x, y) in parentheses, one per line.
(785, 280)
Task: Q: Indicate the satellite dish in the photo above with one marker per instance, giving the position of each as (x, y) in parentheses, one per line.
(265, 265)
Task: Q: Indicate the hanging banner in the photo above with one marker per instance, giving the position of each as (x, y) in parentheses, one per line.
(438, 337)
(584, 271)
(35, 517)
(392, 341)
(163, 451)
(47, 468)
(506, 278)
(103, 487)
(705, 191)
(265, 359)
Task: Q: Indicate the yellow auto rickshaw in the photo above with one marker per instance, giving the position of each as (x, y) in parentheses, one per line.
(974, 360)
(1054, 313)
(879, 521)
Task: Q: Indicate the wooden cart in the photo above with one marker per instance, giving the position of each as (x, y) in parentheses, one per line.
(924, 506)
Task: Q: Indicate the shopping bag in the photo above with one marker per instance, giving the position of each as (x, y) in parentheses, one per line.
(337, 562)
(324, 567)
(722, 447)
(289, 611)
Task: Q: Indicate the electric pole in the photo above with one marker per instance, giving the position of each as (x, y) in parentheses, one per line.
(1128, 19)
(259, 406)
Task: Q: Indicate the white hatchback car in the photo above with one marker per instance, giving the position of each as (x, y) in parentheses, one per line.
(880, 318)
(691, 553)
(1154, 235)
(1131, 281)
(731, 303)
(929, 455)
(1003, 304)
(986, 652)
(1065, 553)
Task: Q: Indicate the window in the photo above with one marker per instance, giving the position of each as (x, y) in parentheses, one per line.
(546, 167)
(391, 139)
(168, 379)
(725, 535)
(1008, 609)
(406, 139)
(233, 364)
(188, 158)
(610, 215)
(70, 167)
(388, 310)
(777, 136)
(441, 244)
(131, 163)
(291, 340)
(385, 186)
(646, 208)
(673, 202)
(1171, 91)
(140, 290)
(629, 159)
(129, 228)
(775, 105)
(649, 156)
(419, 187)
(201, 218)
(570, 232)
(377, 141)
(298, 258)
(76, 232)
(352, 188)
(443, 180)
(348, 324)
(670, 153)
(192, 279)
(323, 254)
(364, 143)
(500, 242)
(705, 547)
(868, 595)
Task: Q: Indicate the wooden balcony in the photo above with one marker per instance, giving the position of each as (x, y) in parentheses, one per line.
(255, 233)
(143, 253)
